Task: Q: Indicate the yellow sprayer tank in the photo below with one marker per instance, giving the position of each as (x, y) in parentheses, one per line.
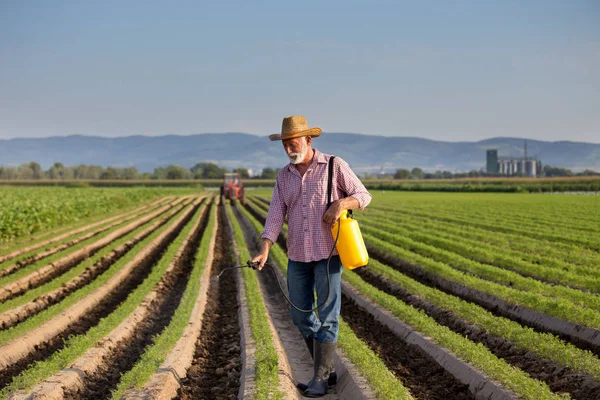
(350, 244)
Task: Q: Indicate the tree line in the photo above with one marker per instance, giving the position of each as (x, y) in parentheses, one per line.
(547, 171)
(58, 171)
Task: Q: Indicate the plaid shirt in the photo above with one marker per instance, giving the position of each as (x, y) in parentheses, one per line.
(303, 199)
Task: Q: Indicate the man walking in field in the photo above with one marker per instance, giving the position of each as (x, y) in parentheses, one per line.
(300, 194)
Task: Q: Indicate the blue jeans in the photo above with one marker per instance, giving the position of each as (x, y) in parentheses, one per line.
(303, 279)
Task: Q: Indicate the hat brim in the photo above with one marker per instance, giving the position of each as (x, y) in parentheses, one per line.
(314, 132)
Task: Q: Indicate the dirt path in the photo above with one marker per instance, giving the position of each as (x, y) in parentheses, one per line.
(216, 368)
(292, 351)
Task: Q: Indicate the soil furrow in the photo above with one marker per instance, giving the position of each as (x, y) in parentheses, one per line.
(106, 306)
(55, 239)
(40, 256)
(124, 356)
(256, 214)
(58, 267)
(20, 314)
(296, 364)
(215, 370)
(422, 375)
(490, 302)
(560, 379)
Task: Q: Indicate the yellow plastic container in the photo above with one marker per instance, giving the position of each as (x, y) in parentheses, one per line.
(350, 244)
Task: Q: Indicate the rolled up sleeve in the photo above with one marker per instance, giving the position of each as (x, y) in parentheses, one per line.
(275, 216)
(351, 184)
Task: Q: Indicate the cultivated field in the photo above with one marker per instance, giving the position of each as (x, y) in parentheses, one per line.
(466, 296)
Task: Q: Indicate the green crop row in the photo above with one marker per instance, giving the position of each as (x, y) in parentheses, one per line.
(537, 251)
(572, 237)
(37, 249)
(58, 255)
(485, 254)
(381, 380)
(52, 311)
(561, 208)
(32, 294)
(154, 355)
(544, 345)
(77, 345)
(578, 300)
(475, 354)
(26, 210)
(267, 367)
(557, 307)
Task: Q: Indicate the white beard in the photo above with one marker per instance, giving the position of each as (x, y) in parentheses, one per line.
(296, 158)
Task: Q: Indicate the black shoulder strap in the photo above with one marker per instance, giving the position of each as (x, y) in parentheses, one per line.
(329, 183)
(329, 179)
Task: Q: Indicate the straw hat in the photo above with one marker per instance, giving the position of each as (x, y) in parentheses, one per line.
(294, 127)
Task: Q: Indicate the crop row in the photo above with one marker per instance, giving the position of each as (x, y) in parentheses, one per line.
(25, 211)
(465, 349)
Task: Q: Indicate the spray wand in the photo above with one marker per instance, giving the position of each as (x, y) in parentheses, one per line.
(255, 265)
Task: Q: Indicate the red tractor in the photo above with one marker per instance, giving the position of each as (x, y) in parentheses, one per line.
(233, 188)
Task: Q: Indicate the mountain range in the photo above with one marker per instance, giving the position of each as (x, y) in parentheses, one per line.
(364, 153)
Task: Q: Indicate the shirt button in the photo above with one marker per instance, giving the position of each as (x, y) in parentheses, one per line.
(306, 230)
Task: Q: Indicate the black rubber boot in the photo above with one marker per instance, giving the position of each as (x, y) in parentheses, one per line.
(331, 381)
(324, 354)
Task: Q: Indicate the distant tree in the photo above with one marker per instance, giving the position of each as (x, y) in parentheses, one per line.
(159, 173)
(31, 170)
(56, 171)
(417, 173)
(110, 173)
(207, 171)
(243, 172)
(176, 172)
(129, 173)
(268, 173)
(89, 172)
(9, 173)
(589, 172)
(555, 171)
(402, 174)
(447, 175)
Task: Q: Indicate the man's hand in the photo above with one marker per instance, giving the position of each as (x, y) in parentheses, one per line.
(334, 211)
(262, 257)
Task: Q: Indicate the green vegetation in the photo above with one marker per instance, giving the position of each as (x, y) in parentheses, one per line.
(381, 380)
(475, 354)
(155, 354)
(73, 272)
(77, 345)
(26, 210)
(544, 344)
(52, 311)
(267, 378)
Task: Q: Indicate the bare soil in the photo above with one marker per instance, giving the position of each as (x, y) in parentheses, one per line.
(90, 319)
(215, 370)
(416, 272)
(422, 375)
(44, 301)
(122, 359)
(560, 379)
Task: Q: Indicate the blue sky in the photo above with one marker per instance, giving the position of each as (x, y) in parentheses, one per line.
(445, 70)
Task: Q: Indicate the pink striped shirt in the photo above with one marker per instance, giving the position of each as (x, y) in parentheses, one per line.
(303, 199)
